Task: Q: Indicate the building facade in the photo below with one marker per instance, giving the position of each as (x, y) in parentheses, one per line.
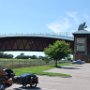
(82, 45)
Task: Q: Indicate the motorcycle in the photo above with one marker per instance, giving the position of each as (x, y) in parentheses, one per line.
(6, 76)
(26, 79)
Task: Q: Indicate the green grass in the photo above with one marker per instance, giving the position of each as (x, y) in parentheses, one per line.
(65, 64)
(17, 63)
(38, 70)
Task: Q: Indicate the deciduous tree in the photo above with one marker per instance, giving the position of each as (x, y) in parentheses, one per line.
(58, 50)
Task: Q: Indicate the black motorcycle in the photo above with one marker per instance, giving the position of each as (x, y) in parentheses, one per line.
(7, 78)
(26, 79)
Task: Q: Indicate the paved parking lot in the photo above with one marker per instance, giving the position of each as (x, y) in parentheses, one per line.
(80, 80)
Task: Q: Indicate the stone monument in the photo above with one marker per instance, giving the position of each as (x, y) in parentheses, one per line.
(82, 26)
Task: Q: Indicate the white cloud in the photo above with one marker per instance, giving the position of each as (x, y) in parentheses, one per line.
(59, 26)
(69, 23)
(74, 16)
(86, 16)
(88, 28)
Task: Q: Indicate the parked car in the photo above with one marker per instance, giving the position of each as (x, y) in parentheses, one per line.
(78, 62)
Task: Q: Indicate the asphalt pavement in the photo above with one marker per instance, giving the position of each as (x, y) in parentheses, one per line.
(80, 79)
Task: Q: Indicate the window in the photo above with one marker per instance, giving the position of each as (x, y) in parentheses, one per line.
(80, 44)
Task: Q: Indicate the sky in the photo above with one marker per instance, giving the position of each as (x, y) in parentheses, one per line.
(43, 16)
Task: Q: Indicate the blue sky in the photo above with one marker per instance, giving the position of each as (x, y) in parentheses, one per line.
(43, 16)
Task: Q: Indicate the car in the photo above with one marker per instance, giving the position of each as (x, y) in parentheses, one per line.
(78, 62)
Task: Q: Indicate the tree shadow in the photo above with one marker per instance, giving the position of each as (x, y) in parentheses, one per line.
(66, 76)
(67, 67)
(28, 88)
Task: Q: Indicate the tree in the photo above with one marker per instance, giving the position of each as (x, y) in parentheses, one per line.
(22, 56)
(1, 55)
(46, 59)
(58, 50)
(5, 55)
(33, 57)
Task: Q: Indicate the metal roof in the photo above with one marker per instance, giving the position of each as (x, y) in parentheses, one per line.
(57, 36)
(82, 32)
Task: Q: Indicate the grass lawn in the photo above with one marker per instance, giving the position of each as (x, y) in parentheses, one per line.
(38, 70)
(65, 64)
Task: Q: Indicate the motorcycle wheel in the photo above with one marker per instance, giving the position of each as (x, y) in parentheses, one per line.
(2, 86)
(33, 85)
